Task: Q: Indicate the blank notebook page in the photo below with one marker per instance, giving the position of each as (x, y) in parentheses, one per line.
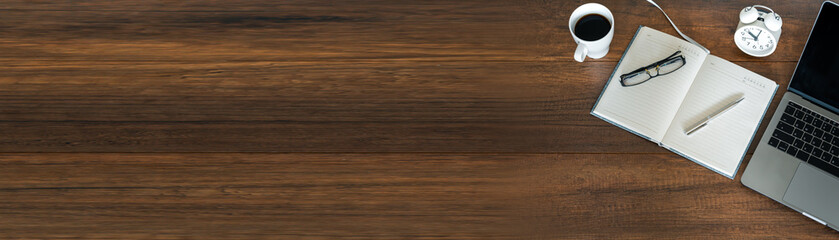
(721, 144)
(649, 107)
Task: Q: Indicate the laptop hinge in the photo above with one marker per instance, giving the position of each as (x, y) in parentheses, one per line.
(814, 218)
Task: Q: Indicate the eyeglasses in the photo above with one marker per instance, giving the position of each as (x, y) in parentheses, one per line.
(663, 67)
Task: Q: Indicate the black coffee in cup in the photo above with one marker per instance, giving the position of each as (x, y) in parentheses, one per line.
(592, 27)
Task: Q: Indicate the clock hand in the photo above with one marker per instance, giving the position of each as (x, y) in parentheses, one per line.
(753, 36)
(758, 34)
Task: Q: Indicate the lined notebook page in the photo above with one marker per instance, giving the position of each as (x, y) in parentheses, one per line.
(721, 144)
(649, 107)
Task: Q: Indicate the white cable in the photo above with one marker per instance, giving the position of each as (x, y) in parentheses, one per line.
(677, 28)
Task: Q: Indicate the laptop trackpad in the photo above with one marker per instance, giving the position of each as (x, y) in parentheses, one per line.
(815, 192)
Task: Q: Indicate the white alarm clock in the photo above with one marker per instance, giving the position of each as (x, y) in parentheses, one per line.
(758, 31)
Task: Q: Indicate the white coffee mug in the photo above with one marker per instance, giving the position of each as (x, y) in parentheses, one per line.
(593, 48)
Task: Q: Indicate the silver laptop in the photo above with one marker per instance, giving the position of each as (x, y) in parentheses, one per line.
(797, 159)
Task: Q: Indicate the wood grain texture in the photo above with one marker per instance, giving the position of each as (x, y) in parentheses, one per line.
(254, 196)
(210, 119)
(359, 76)
(382, 196)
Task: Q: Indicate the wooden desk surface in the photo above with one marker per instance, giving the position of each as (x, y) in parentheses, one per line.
(204, 119)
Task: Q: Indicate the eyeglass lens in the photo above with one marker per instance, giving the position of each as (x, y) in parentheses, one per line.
(636, 78)
(670, 66)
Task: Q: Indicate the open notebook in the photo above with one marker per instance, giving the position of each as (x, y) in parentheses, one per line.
(664, 108)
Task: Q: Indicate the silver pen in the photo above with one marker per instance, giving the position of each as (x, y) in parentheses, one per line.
(708, 119)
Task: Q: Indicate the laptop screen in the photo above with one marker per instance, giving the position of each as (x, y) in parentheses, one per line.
(817, 75)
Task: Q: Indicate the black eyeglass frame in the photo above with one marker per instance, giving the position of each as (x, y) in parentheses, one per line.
(656, 66)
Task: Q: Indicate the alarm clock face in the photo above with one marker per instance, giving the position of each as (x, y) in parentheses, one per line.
(755, 41)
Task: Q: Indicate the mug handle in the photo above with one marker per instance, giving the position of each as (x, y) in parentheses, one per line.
(580, 53)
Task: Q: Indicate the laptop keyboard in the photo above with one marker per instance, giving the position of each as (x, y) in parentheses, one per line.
(808, 136)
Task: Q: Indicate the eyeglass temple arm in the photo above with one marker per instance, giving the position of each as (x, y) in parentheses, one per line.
(677, 28)
(674, 54)
(665, 59)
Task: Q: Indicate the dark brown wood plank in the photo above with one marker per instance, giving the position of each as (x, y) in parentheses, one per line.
(250, 196)
(382, 196)
(296, 76)
(710, 22)
(122, 122)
